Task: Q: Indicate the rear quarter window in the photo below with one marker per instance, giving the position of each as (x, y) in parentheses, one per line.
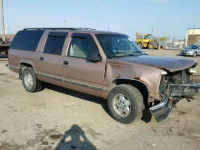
(26, 40)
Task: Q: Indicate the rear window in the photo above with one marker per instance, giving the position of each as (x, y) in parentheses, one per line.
(26, 40)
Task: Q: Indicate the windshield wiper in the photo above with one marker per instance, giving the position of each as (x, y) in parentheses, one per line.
(124, 54)
(116, 54)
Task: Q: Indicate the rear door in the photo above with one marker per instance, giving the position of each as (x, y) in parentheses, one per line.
(78, 70)
(50, 61)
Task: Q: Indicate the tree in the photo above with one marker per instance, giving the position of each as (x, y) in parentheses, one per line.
(163, 39)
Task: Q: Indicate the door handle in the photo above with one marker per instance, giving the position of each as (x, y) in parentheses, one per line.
(41, 58)
(65, 62)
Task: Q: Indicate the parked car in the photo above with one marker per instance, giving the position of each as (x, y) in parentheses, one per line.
(105, 64)
(192, 50)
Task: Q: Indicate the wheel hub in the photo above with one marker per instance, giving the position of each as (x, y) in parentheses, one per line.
(122, 105)
(28, 80)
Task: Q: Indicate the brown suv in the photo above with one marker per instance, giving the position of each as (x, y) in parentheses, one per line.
(104, 64)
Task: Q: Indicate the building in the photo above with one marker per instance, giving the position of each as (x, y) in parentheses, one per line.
(175, 44)
(193, 36)
(179, 44)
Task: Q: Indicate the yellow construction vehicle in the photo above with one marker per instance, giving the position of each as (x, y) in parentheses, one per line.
(147, 41)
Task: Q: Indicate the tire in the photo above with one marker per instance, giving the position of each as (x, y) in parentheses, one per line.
(194, 54)
(133, 108)
(150, 46)
(30, 81)
(140, 45)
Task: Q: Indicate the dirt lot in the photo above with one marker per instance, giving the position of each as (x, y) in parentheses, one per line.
(64, 119)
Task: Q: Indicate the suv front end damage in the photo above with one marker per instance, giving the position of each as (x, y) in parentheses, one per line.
(174, 87)
(162, 110)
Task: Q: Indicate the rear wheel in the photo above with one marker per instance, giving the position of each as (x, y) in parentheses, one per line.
(125, 103)
(30, 81)
(156, 46)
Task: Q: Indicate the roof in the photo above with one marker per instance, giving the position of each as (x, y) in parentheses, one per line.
(59, 29)
(88, 30)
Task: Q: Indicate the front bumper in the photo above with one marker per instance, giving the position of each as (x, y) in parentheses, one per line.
(162, 110)
(187, 54)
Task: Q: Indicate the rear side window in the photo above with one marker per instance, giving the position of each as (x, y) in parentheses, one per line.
(54, 43)
(26, 40)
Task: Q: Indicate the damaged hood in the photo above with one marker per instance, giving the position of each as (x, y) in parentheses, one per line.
(167, 63)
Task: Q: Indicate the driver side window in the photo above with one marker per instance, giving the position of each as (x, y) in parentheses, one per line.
(83, 46)
(78, 48)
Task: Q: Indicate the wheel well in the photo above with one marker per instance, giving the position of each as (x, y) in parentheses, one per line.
(136, 83)
(22, 67)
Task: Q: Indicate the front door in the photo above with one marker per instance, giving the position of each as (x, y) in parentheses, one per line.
(50, 60)
(79, 70)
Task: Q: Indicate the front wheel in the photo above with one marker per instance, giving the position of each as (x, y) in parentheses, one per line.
(30, 81)
(125, 103)
(140, 45)
(194, 54)
(150, 46)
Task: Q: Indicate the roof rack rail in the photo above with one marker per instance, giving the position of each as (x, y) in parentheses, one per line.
(59, 29)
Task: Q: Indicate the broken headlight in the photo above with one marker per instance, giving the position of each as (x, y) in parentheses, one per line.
(163, 84)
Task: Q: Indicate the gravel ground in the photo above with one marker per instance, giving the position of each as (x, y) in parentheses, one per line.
(64, 119)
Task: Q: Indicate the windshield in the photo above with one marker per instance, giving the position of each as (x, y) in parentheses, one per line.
(116, 45)
(192, 47)
(149, 36)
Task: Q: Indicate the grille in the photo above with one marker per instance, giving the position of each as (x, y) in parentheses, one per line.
(180, 77)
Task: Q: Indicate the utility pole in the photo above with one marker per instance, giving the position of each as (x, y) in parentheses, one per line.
(2, 21)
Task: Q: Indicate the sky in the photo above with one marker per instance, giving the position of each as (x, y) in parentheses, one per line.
(160, 17)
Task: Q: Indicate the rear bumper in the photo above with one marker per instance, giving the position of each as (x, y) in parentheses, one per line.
(162, 110)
